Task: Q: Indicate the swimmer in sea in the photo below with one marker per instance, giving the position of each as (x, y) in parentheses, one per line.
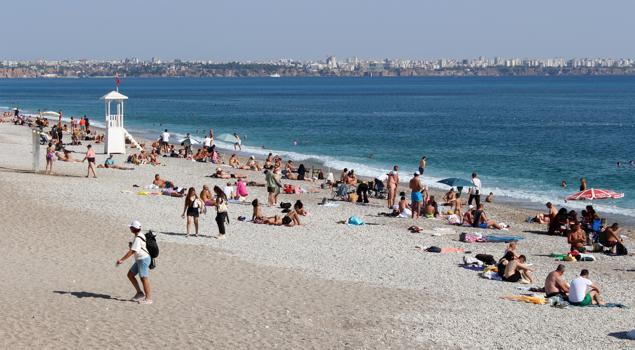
(563, 184)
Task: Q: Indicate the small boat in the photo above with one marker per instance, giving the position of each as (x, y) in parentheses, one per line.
(274, 75)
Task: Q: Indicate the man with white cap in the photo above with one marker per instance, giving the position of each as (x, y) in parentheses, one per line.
(141, 266)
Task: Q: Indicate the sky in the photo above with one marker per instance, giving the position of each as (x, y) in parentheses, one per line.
(242, 30)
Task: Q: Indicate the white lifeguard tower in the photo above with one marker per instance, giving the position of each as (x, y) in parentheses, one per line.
(116, 134)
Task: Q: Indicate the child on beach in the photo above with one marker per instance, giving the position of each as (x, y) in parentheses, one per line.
(50, 156)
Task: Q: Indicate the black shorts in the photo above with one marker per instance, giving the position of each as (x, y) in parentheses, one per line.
(271, 189)
(91, 159)
(286, 220)
(164, 143)
(193, 212)
(513, 278)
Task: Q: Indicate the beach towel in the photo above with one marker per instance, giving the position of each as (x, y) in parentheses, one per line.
(538, 300)
(491, 275)
(611, 305)
(502, 239)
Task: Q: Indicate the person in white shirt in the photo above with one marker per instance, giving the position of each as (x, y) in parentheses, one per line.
(207, 142)
(583, 292)
(475, 190)
(165, 140)
(141, 266)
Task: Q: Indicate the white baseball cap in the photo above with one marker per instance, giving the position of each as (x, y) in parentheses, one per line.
(417, 173)
(135, 224)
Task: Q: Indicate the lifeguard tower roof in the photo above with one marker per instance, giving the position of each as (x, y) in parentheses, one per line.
(114, 96)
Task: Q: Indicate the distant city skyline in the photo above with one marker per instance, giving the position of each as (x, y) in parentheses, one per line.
(250, 30)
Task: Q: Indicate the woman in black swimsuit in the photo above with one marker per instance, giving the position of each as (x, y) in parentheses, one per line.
(193, 206)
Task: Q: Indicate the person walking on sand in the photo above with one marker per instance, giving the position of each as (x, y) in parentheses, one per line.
(141, 265)
(90, 157)
(192, 208)
(422, 164)
(221, 211)
(416, 197)
(475, 190)
(238, 145)
(50, 156)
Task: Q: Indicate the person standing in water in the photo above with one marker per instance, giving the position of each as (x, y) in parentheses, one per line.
(422, 164)
(582, 184)
(475, 193)
(238, 145)
(90, 157)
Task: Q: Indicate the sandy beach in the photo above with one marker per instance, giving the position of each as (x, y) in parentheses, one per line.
(319, 285)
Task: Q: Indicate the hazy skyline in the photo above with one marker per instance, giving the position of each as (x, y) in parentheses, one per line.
(261, 30)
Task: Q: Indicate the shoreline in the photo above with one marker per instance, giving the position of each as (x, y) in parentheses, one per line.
(528, 207)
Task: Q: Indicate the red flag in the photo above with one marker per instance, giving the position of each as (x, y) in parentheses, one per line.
(117, 81)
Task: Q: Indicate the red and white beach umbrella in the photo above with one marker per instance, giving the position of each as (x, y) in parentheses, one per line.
(594, 193)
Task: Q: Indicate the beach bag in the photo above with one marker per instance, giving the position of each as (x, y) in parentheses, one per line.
(352, 197)
(620, 249)
(354, 220)
(152, 248)
(486, 259)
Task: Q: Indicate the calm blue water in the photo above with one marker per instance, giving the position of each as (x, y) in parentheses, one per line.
(522, 135)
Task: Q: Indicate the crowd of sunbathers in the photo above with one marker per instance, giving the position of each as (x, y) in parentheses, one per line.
(581, 231)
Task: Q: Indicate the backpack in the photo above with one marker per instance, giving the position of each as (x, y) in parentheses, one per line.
(152, 248)
(151, 245)
(620, 249)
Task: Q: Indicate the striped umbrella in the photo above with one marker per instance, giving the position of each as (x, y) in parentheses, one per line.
(594, 193)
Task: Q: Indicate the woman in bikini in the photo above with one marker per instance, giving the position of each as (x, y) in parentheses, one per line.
(256, 215)
(50, 156)
(193, 206)
(90, 157)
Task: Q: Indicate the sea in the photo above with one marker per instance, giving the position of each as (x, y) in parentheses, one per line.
(522, 135)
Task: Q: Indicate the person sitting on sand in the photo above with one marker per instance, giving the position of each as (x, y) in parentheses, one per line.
(432, 208)
(560, 223)
(490, 197)
(404, 209)
(546, 218)
(517, 271)
(351, 179)
(109, 163)
(152, 159)
(613, 237)
(241, 189)
(512, 248)
(449, 198)
(583, 292)
(233, 161)
(556, 285)
(481, 220)
(577, 238)
(468, 217)
(158, 181)
(206, 197)
(256, 215)
(251, 164)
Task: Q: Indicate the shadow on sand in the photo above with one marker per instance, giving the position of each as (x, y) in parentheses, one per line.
(620, 335)
(82, 295)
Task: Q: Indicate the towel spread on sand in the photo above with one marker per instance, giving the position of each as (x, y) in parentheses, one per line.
(538, 300)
